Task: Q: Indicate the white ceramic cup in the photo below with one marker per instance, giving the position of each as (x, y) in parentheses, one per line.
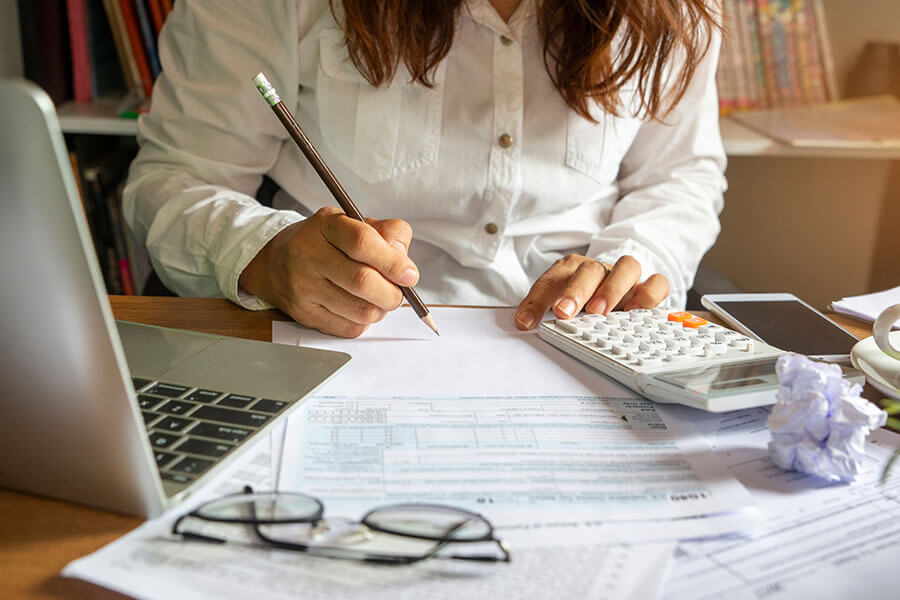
(882, 329)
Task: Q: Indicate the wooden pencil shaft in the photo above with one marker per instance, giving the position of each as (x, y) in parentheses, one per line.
(335, 187)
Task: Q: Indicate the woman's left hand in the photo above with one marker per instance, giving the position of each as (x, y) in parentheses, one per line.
(577, 282)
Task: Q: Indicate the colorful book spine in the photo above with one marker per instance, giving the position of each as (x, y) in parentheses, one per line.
(825, 51)
(148, 36)
(123, 47)
(764, 24)
(749, 53)
(157, 13)
(819, 91)
(76, 11)
(137, 45)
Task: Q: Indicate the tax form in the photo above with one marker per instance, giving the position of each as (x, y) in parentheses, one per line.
(149, 563)
(819, 540)
(493, 419)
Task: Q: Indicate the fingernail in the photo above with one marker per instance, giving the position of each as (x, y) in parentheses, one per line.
(525, 320)
(566, 306)
(399, 246)
(409, 277)
(598, 307)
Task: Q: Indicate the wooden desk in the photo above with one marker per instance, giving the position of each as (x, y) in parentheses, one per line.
(38, 537)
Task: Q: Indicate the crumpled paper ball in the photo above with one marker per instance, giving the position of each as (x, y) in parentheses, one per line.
(819, 422)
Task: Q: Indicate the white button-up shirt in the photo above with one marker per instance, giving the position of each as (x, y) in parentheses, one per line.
(496, 174)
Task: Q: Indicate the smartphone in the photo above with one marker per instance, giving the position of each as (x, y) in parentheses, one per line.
(784, 321)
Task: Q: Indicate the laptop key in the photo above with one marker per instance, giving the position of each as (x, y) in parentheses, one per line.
(269, 406)
(192, 465)
(236, 400)
(205, 396)
(169, 390)
(139, 382)
(149, 417)
(220, 432)
(204, 447)
(177, 477)
(162, 440)
(227, 415)
(163, 458)
(176, 407)
(173, 424)
(148, 402)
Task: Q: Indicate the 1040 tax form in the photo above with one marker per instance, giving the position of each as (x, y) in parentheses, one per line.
(490, 418)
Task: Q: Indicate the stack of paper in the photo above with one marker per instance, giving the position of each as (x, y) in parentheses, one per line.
(591, 484)
(868, 306)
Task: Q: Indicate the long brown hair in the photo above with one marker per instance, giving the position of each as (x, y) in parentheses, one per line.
(577, 36)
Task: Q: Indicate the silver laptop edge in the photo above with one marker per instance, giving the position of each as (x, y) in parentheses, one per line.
(69, 419)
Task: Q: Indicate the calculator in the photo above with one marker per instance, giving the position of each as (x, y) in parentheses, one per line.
(673, 357)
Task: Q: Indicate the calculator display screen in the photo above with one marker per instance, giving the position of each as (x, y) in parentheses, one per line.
(724, 379)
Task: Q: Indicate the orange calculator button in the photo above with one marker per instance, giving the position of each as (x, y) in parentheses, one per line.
(680, 317)
(694, 322)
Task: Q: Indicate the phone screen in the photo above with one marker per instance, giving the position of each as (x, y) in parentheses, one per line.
(790, 325)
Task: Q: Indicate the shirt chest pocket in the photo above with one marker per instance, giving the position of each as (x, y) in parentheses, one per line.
(378, 132)
(597, 149)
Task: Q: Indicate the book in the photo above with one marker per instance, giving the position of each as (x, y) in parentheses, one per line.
(123, 47)
(872, 122)
(107, 76)
(45, 46)
(137, 45)
(157, 14)
(76, 12)
(148, 36)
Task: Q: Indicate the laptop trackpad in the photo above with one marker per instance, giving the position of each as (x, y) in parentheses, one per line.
(226, 364)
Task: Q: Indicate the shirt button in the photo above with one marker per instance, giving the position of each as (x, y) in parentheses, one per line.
(505, 40)
(505, 140)
(491, 228)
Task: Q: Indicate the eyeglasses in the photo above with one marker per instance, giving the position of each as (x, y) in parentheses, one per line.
(397, 534)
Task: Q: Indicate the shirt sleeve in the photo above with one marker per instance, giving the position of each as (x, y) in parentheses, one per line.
(206, 142)
(671, 188)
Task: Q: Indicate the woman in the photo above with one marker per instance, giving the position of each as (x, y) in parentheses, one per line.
(544, 153)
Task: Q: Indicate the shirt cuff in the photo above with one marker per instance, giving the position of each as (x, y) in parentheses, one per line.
(247, 251)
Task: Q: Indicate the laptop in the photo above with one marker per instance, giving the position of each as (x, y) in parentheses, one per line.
(116, 415)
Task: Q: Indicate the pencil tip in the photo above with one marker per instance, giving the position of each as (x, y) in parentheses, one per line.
(430, 322)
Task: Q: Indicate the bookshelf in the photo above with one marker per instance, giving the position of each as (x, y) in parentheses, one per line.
(832, 206)
(98, 118)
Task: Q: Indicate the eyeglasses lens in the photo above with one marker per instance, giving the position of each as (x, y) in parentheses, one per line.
(263, 507)
(430, 522)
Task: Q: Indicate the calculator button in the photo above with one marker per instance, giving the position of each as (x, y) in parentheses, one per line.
(602, 328)
(588, 336)
(649, 362)
(694, 322)
(569, 326)
(680, 317)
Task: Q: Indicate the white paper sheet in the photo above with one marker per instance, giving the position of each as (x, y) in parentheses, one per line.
(496, 420)
(479, 353)
(820, 540)
(868, 306)
(149, 563)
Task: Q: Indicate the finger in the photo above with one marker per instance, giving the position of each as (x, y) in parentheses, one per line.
(358, 281)
(396, 232)
(545, 292)
(581, 286)
(319, 317)
(362, 243)
(624, 275)
(348, 306)
(649, 293)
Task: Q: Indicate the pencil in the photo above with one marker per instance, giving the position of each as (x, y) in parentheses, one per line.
(328, 178)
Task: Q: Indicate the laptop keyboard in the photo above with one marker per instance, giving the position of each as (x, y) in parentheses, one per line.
(190, 429)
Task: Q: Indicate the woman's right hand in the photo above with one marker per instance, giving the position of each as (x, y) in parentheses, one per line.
(334, 273)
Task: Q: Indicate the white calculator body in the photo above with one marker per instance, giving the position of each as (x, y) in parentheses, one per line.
(673, 357)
